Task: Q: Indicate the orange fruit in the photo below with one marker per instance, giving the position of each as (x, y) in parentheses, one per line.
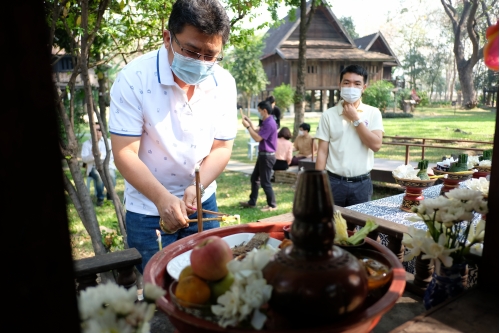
(192, 289)
(186, 271)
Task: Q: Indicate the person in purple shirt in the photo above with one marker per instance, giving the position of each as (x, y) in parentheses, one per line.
(268, 141)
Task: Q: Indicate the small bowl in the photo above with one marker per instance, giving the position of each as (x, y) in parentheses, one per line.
(374, 282)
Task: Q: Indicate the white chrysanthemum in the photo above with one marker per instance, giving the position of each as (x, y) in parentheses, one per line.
(431, 205)
(482, 184)
(464, 194)
(414, 241)
(485, 163)
(152, 292)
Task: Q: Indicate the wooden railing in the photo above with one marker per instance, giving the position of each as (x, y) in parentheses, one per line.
(424, 145)
(122, 262)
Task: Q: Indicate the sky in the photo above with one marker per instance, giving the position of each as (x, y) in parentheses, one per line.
(370, 16)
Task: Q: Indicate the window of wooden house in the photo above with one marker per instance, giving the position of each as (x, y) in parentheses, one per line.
(312, 69)
(341, 68)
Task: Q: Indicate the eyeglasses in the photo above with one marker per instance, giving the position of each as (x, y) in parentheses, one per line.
(196, 55)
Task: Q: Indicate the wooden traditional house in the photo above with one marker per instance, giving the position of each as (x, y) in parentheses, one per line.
(329, 50)
(377, 43)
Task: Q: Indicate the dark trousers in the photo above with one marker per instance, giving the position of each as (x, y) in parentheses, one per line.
(350, 193)
(263, 169)
(280, 165)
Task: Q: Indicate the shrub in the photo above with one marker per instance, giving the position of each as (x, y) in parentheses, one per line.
(378, 94)
(424, 99)
(283, 95)
(397, 115)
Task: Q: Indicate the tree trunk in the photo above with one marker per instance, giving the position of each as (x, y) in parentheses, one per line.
(452, 87)
(300, 89)
(469, 99)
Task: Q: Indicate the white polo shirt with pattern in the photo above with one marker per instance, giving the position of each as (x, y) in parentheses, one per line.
(347, 155)
(176, 135)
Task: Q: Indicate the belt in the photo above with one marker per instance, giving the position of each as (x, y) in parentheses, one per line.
(266, 153)
(349, 179)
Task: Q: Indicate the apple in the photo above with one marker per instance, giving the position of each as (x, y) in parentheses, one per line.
(209, 258)
(219, 288)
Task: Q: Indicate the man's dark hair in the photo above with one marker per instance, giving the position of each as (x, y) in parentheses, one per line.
(356, 69)
(265, 106)
(285, 133)
(305, 127)
(271, 99)
(208, 16)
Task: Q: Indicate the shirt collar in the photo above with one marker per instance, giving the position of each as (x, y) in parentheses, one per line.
(166, 77)
(360, 108)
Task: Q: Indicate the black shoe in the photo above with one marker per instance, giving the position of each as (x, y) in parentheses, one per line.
(246, 204)
(99, 203)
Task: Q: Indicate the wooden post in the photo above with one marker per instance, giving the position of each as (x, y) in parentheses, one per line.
(198, 200)
(407, 155)
(396, 246)
(423, 149)
(423, 271)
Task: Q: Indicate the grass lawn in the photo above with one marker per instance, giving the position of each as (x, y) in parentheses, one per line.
(441, 123)
(234, 187)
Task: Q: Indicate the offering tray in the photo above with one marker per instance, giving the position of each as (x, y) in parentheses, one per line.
(482, 171)
(413, 191)
(453, 179)
(362, 321)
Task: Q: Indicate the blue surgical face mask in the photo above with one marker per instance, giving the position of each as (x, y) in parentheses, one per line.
(189, 70)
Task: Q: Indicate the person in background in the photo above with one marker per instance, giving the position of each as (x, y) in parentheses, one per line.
(283, 150)
(349, 134)
(276, 111)
(172, 112)
(267, 138)
(304, 144)
(88, 158)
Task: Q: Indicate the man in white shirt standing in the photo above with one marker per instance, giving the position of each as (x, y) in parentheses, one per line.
(88, 158)
(173, 110)
(349, 134)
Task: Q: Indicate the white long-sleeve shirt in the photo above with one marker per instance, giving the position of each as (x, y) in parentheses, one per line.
(88, 157)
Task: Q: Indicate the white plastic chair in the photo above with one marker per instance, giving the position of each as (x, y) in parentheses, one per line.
(252, 144)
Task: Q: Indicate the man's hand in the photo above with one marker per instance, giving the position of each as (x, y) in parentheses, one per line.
(190, 199)
(173, 212)
(246, 122)
(350, 112)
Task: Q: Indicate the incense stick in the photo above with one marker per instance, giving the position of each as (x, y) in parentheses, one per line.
(198, 199)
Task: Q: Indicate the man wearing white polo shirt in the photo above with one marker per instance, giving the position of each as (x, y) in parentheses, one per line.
(349, 134)
(173, 110)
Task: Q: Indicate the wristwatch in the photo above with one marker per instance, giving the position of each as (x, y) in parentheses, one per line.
(202, 188)
(356, 123)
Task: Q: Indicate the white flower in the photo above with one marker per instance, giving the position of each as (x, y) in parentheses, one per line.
(477, 249)
(152, 292)
(472, 161)
(438, 250)
(464, 194)
(431, 205)
(405, 172)
(485, 163)
(482, 184)
(476, 234)
(414, 241)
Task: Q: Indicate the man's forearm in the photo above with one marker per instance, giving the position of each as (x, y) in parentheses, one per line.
(370, 139)
(322, 155)
(216, 161)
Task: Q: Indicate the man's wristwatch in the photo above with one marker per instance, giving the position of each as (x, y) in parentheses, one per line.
(356, 123)
(202, 188)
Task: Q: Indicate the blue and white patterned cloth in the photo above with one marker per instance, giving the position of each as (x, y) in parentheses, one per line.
(389, 209)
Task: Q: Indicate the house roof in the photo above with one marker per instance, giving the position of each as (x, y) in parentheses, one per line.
(366, 43)
(323, 53)
(282, 40)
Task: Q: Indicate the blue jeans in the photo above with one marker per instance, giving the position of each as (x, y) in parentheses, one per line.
(141, 231)
(99, 184)
(350, 193)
